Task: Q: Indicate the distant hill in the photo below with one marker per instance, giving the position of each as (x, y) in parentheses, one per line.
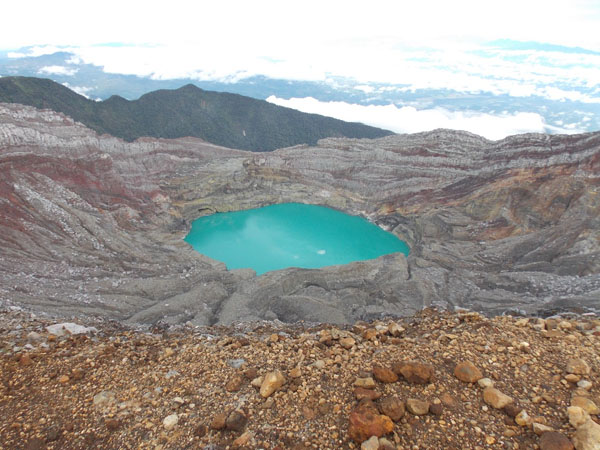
(225, 119)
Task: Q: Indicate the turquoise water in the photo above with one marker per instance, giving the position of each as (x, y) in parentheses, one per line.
(290, 235)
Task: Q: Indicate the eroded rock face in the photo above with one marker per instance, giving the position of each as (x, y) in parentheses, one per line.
(90, 224)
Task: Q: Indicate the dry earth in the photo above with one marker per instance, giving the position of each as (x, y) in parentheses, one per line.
(191, 387)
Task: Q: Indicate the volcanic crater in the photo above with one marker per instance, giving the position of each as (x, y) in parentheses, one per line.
(92, 225)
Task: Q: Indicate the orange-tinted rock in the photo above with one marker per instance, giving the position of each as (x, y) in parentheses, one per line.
(414, 372)
(384, 375)
(361, 393)
(272, 382)
(495, 398)
(467, 372)
(370, 334)
(365, 422)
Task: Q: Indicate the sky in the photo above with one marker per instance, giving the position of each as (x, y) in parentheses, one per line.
(457, 46)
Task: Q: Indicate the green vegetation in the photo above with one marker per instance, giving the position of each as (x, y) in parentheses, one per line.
(225, 119)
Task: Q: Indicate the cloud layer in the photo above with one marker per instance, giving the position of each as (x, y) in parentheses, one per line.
(408, 119)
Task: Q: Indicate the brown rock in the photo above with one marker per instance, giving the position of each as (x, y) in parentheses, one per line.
(63, 379)
(361, 393)
(235, 383)
(25, 360)
(384, 375)
(512, 410)
(243, 439)
(200, 430)
(236, 420)
(364, 423)
(392, 407)
(296, 372)
(366, 382)
(578, 366)
(417, 407)
(467, 372)
(112, 424)
(218, 422)
(448, 401)
(77, 374)
(347, 342)
(251, 373)
(272, 382)
(370, 334)
(495, 398)
(436, 409)
(586, 404)
(551, 440)
(572, 378)
(415, 372)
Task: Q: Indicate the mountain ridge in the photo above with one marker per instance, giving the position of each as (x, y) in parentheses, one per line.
(229, 120)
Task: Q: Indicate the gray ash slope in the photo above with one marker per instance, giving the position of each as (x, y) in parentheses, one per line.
(92, 225)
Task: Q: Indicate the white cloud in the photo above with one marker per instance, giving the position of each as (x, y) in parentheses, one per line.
(408, 119)
(465, 68)
(58, 70)
(81, 90)
(276, 25)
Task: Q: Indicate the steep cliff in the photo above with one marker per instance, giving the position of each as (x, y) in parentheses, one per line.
(90, 224)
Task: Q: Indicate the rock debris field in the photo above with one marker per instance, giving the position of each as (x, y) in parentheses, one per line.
(434, 380)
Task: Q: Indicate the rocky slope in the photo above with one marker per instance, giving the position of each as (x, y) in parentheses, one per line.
(93, 225)
(432, 381)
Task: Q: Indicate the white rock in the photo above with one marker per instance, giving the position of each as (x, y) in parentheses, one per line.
(371, 444)
(169, 422)
(587, 436)
(485, 382)
(60, 329)
(34, 337)
(104, 398)
(319, 364)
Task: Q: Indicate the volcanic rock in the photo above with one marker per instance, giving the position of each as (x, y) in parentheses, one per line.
(578, 366)
(271, 383)
(384, 375)
(495, 398)
(366, 422)
(92, 225)
(467, 372)
(417, 407)
(552, 440)
(415, 372)
(392, 407)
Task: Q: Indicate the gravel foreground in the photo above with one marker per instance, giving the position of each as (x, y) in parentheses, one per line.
(435, 380)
